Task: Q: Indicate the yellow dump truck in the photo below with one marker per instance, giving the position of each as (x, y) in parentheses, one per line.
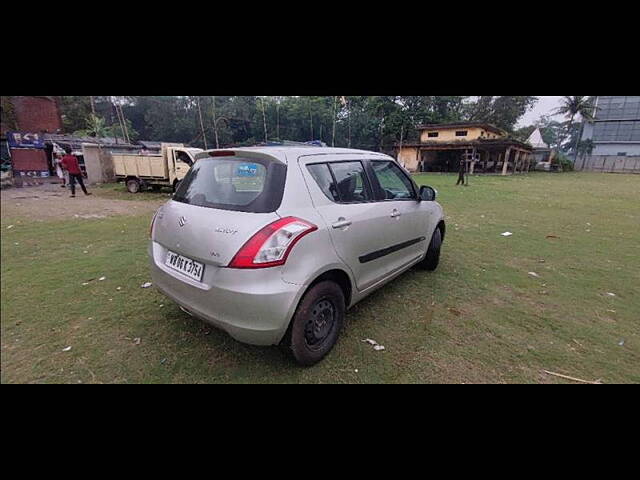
(141, 171)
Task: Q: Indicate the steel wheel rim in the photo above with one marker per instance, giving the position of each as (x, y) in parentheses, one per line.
(322, 318)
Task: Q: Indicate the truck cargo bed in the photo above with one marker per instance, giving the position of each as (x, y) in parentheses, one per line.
(141, 166)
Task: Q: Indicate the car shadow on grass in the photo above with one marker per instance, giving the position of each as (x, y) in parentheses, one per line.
(200, 352)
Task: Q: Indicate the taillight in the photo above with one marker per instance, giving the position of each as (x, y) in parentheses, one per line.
(271, 245)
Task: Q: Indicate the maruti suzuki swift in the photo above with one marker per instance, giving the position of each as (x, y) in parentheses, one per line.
(274, 244)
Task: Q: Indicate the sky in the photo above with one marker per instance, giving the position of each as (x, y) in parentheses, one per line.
(544, 106)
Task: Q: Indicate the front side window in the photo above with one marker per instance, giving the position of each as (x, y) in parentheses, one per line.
(239, 184)
(394, 183)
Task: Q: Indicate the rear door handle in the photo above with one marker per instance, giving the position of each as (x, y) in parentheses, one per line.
(395, 213)
(341, 223)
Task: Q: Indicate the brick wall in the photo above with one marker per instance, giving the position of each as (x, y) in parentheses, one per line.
(36, 114)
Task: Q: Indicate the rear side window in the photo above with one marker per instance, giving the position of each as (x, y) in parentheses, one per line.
(240, 184)
(321, 174)
(342, 182)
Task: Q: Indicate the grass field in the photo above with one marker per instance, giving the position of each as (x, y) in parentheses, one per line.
(117, 191)
(481, 317)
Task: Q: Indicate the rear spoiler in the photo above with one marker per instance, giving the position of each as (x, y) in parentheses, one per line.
(239, 153)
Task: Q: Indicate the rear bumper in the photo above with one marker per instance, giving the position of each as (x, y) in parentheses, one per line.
(253, 306)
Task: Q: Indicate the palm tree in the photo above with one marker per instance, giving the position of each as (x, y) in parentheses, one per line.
(572, 106)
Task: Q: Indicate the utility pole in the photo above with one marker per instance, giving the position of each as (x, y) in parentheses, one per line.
(124, 122)
(278, 117)
(349, 123)
(466, 166)
(215, 122)
(115, 107)
(204, 135)
(333, 134)
(93, 106)
(400, 147)
(264, 120)
(121, 120)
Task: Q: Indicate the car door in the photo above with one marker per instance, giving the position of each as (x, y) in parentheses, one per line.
(408, 219)
(183, 162)
(342, 195)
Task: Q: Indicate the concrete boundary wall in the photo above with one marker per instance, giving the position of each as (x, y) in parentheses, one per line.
(608, 164)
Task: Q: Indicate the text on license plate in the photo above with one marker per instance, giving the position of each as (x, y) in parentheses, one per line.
(185, 265)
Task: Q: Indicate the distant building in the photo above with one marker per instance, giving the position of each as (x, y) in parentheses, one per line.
(542, 153)
(32, 154)
(485, 148)
(535, 139)
(615, 133)
(33, 116)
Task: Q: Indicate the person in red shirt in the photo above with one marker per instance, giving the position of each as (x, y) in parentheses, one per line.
(70, 164)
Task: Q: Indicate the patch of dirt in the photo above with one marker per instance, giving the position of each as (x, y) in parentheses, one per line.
(50, 201)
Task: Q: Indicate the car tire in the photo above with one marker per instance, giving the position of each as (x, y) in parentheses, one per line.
(133, 185)
(316, 324)
(432, 258)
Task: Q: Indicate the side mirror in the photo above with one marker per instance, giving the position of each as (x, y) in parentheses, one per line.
(427, 194)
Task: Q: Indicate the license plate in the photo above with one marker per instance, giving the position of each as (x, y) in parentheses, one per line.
(188, 267)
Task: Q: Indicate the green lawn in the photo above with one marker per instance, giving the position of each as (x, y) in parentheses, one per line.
(118, 191)
(479, 318)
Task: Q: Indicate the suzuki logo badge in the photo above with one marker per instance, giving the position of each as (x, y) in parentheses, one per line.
(182, 221)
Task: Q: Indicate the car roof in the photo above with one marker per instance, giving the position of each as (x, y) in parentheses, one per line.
(300, 151)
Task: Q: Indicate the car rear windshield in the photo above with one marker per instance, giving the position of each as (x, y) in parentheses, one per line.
(239, 184)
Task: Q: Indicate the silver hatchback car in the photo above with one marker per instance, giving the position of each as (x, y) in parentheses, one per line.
(274, 244)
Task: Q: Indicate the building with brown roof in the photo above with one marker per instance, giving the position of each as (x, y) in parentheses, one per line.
(486, 149)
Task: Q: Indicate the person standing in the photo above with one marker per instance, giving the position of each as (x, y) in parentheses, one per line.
(57, 158)
(461, 170)
(70, 164)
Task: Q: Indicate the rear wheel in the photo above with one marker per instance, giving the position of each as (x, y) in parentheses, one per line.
(432, 259)
(315, 326)
(133, 185)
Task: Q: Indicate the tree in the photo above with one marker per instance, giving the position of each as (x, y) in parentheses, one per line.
(585, 147)
(524, 133)
(367, 122)
(576, 106)
(74, 111)
(96, 127)
(553, 133)
(8, 114)
(503, 112)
